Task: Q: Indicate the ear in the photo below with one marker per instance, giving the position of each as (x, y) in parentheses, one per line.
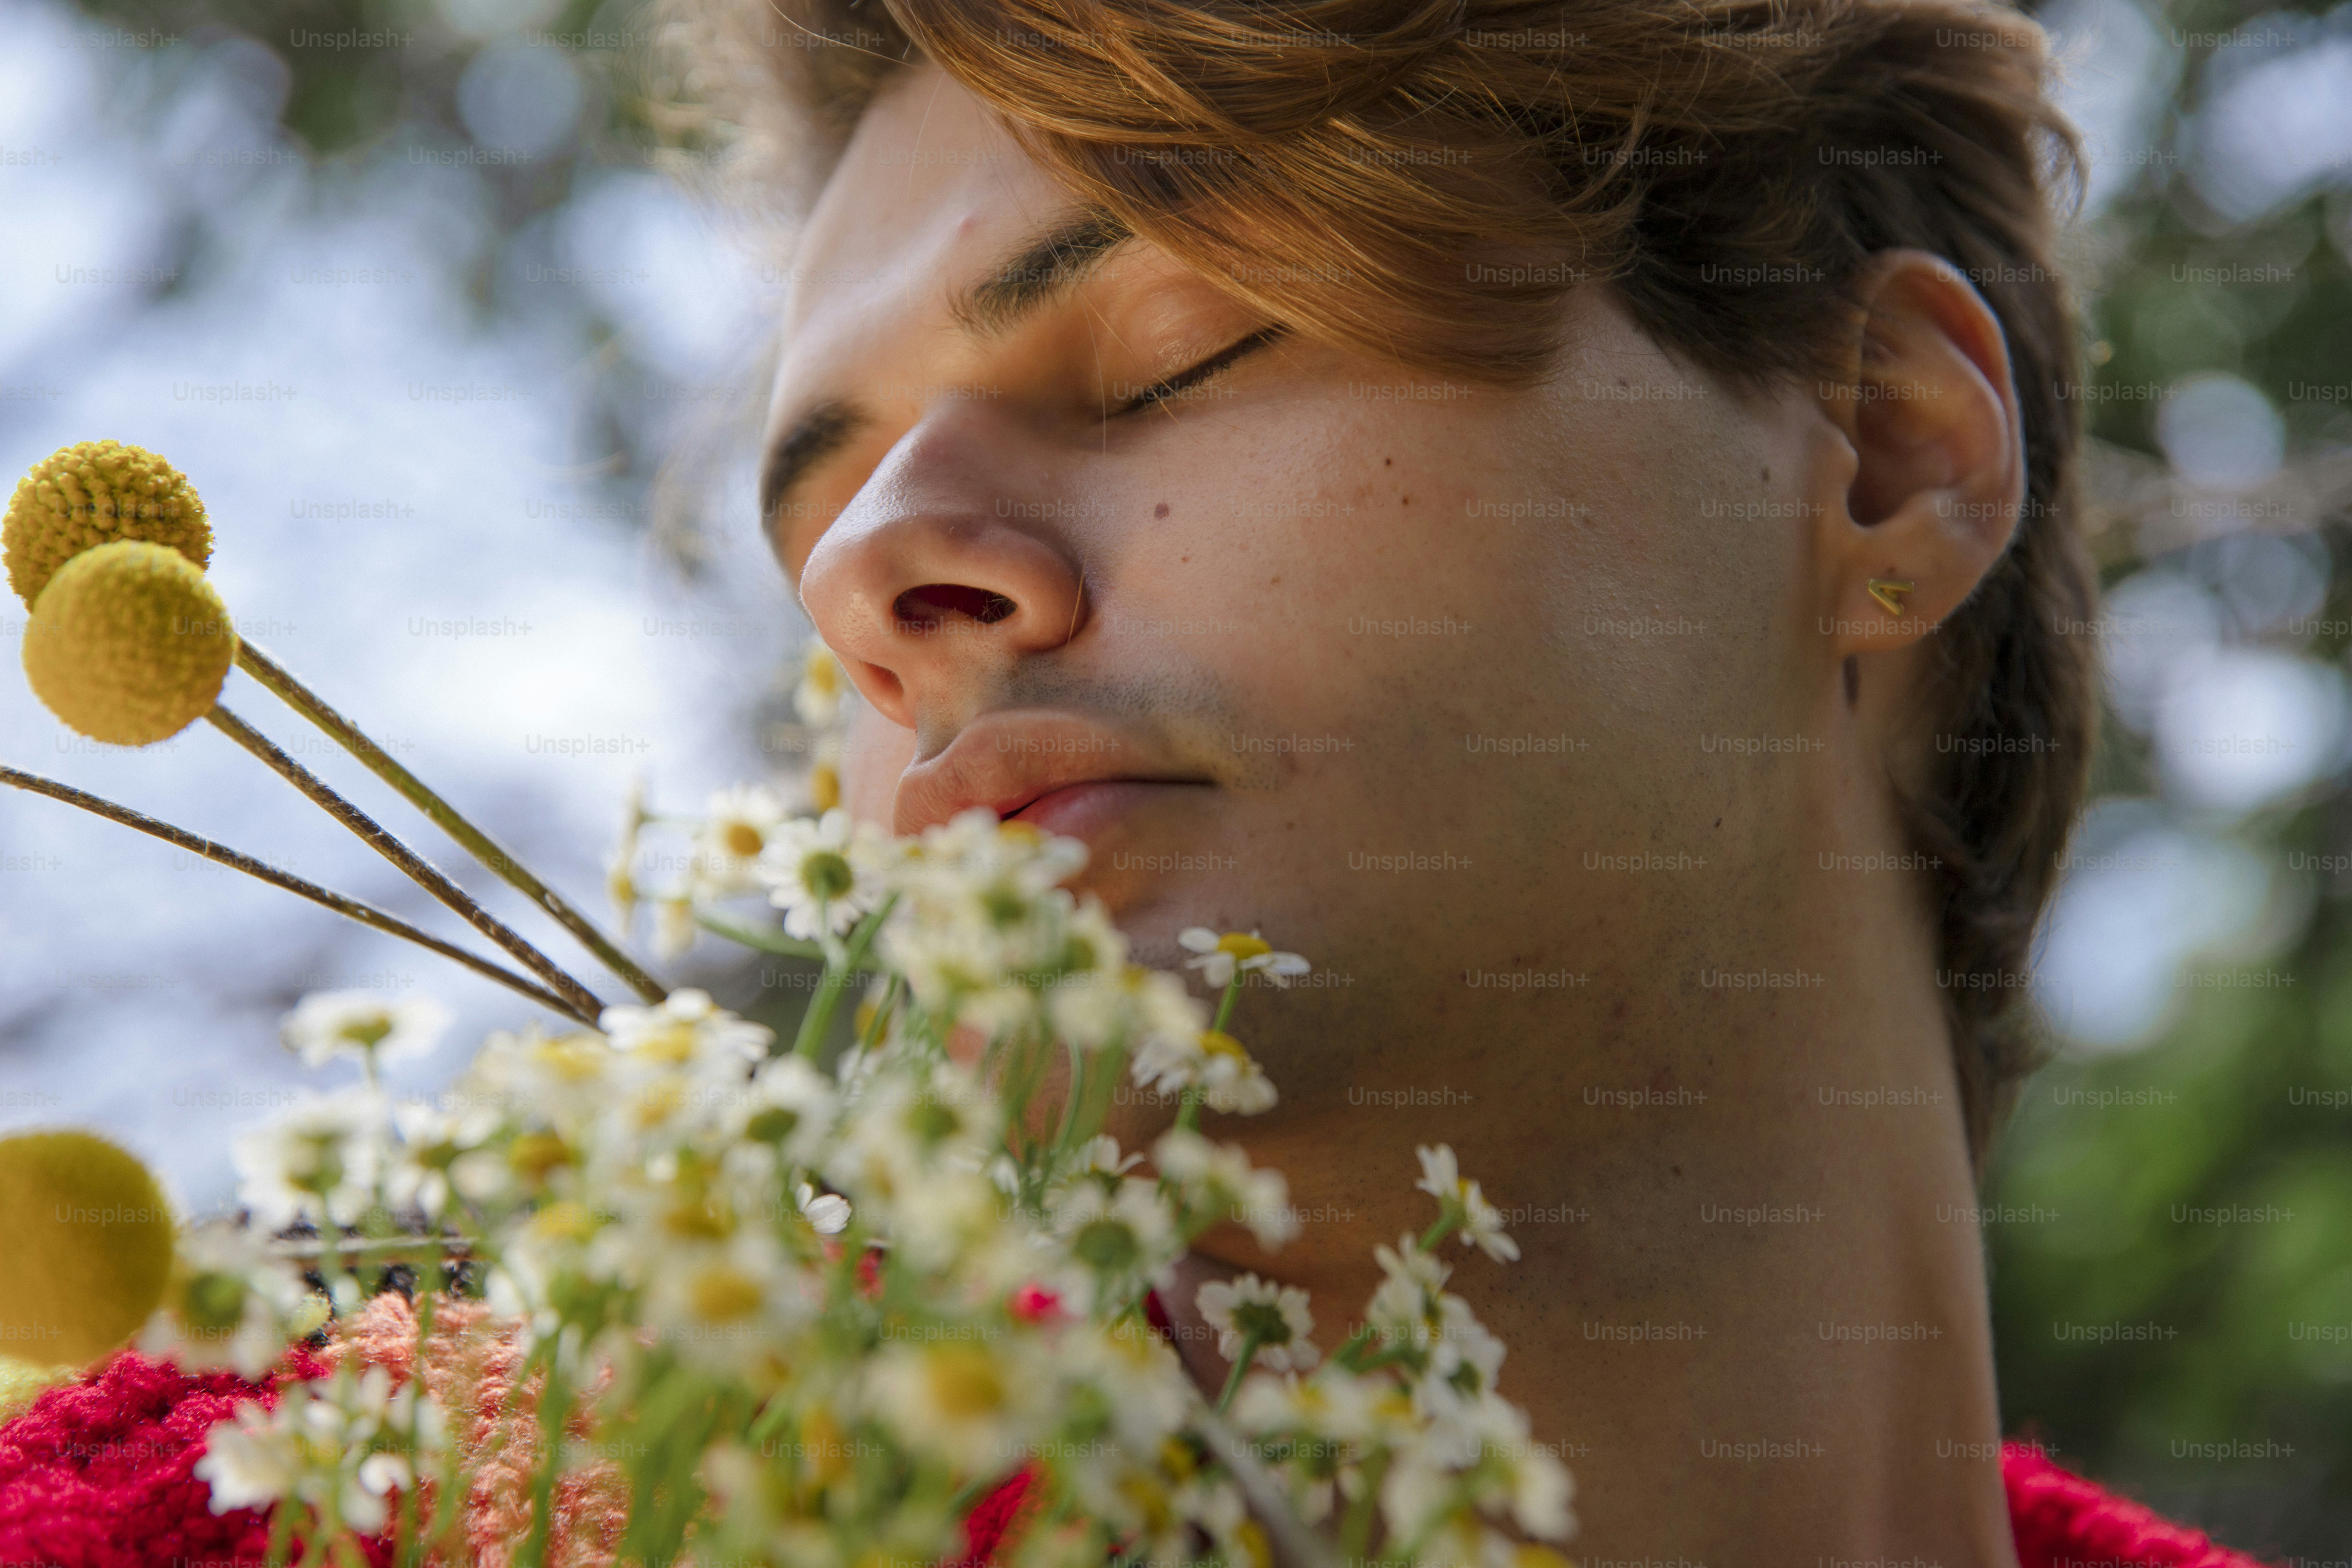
(1928, 408)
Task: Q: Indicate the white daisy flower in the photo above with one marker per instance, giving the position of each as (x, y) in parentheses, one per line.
(330, 1023)
(1253, 1310)
(1482, 1223)
(317, 1161)
(229, 1303)
(250, 1461)
(827, 1213)
(825, 873)
(674, 926)
(972, 1401)
(823, 685)
(1410, 1283)
(1228, 1077)
(735, 831)
(685, 1030)
(1219, 1179)
(621, 870)
(1220, 957)
(1124, 1234)
(438, 1151)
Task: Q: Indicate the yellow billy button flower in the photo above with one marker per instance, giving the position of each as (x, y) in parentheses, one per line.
(93, 493)
(86, 1240)
(129, 645)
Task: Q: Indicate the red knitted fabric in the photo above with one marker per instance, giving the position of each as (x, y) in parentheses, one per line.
(98, 1473)
(2065, 1522)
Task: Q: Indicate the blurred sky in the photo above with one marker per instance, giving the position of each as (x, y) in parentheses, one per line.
(404, 488)
(415, 489)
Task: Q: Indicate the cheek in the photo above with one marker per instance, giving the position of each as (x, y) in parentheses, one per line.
(875, 752)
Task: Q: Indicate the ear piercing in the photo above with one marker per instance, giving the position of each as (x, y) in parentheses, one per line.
(1889, 592)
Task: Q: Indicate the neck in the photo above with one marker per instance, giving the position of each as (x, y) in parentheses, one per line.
(1751, 1309)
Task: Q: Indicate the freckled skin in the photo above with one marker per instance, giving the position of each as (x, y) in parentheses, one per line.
(1282, 520)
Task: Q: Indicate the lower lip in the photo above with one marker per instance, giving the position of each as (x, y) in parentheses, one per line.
(1086, 810)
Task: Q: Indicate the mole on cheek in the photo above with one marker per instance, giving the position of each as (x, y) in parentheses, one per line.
(1159, 510)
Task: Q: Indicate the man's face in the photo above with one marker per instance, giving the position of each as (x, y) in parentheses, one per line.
(1426, 682)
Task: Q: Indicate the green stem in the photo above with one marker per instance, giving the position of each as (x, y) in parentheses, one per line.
(874, 1031)
(1074, 1101)
(1241, 1366)
(1439, 1229)
(760, 939)
(553, 1399)
(419, 869)
(1188, 1114)
(281, 1531)
(349, 908)
(1225, 1003)
(308, 703)
(1356, 1535)
(821, 1008)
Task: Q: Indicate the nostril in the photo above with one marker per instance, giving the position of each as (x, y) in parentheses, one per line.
(919, 609)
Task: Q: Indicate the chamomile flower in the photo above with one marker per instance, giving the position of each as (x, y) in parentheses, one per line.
(825, 874)
(1482, 1223)
(620, 868)
(735, 832)
(685, 1030)
(1218, 1179)
(972, 1403)
(1254, 1312)
(827, 1213)
(376, 1029)
(823, 685)
(318, 1162)
(229, 1303)
(1410, 1283)
(674, 925)
(1220, 957)
(1228, 1077)
(442, 1154)
(1121, 1235)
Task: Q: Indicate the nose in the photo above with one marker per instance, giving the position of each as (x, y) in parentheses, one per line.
(928, 580)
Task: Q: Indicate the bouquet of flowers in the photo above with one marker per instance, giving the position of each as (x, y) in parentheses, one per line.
(650, 1283)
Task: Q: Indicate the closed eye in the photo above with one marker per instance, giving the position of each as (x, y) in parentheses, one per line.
(1194, 375)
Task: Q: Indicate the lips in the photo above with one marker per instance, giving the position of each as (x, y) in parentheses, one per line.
(1064, 772)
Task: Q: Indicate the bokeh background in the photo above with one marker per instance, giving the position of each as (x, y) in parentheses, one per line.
(469, 385)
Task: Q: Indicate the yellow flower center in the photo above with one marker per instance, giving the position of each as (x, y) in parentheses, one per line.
(1217, 1043)
(1241, 945)
(723, 1295)
(743, 840)
(564, 1221)
(965, 1382)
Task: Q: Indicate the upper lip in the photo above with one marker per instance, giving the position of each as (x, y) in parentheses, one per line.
(1005, 760)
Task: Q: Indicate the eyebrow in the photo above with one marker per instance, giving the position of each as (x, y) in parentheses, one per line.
(1040, 272)
(1028, 279)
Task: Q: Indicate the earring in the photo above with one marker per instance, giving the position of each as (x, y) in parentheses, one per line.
(1889, 592)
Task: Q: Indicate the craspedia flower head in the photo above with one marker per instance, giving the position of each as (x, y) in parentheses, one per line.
(129, 643)
(93, 493)
(88, 1245)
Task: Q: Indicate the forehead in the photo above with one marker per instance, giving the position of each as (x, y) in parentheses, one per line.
(929, 192)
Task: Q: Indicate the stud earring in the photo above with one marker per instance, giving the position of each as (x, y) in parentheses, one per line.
(1889, 592)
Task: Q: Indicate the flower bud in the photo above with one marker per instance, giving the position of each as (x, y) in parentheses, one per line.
(90, 1245)
(93, 493)
(129, 643)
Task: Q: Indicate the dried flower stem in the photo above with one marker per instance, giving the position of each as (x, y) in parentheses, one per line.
(366, 914)
(422, 871)
(308, 703)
